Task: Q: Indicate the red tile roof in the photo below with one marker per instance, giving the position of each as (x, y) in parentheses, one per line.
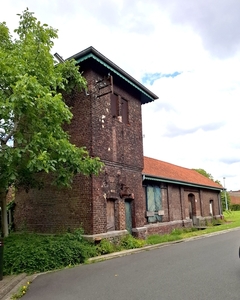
(165, 170)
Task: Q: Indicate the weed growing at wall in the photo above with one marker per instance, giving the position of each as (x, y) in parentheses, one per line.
(157, 239)
(125, 243)
(129, 242)
(105, 247)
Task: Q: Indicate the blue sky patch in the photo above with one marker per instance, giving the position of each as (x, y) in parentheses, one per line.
(149, 78)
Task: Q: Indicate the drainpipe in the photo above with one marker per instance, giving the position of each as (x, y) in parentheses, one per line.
(219, 203)
(181, 203)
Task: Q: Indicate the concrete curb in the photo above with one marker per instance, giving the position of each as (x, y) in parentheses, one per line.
(17, 283)
(9, 282)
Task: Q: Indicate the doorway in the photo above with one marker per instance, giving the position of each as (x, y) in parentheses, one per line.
(128, 215)
(110, 215)
(192, 208)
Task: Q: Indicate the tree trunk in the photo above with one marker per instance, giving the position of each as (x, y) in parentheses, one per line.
(3, 195)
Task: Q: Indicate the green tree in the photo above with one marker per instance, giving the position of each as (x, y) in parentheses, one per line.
(32, 111)
(204, 173)
(223, 200)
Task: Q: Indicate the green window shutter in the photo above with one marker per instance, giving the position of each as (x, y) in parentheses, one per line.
(154, 203)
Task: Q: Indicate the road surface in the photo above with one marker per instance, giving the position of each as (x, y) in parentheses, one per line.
(205, 268)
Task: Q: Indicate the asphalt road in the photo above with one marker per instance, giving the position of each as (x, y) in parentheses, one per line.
(205, 268)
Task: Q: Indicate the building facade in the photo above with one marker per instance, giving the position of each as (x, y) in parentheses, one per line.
(107, 120)
(178, 197)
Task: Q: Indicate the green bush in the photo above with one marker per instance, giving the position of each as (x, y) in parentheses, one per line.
(32, 253)
(235, 207)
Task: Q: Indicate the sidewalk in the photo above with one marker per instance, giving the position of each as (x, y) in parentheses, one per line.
(10, 285)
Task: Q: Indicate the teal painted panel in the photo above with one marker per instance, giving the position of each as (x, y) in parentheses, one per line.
(150, 199)
(157, 198)
(154, 202)
(128, 216)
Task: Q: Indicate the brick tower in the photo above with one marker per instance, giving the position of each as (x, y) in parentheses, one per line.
(107, 120)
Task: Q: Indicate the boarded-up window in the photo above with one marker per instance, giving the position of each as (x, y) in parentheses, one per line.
(110, 215)
(114, 105)
(124, 111)
(154, 204)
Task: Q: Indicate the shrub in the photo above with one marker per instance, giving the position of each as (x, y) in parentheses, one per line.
(235, 207)
(31, 253)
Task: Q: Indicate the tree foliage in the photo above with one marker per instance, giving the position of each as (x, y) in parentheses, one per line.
(32, 110)
(204, 173)
(225, 197)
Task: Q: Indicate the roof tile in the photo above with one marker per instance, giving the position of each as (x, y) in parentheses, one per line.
(162, 169)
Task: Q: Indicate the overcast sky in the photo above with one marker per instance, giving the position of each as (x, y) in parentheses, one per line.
(186, 52)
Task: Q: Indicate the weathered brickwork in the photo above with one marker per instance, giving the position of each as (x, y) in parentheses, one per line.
(55, 210)
(205, 200)
(110, 185)
(168, 227)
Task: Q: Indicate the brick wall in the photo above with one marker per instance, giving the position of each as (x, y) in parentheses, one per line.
(174, 202)
(208, 195)
(54, 209)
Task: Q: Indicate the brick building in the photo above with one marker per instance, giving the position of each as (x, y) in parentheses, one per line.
(234, 197)
(178, 197)
(107, 120)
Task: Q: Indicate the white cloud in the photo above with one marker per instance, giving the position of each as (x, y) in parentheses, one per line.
(195, 122)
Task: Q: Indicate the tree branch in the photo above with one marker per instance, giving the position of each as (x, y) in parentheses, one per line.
(8, 136)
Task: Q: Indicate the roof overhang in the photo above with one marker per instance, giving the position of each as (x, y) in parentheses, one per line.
(146, 94)
(190, 184)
